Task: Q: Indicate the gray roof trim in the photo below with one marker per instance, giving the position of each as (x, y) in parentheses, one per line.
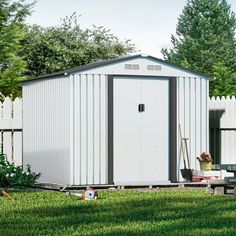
(112, 61)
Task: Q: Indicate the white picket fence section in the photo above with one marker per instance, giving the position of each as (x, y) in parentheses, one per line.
(11, 129)
(222, 124)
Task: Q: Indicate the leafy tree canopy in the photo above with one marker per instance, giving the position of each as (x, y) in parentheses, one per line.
(205, 42)
(53, 49)
(12, 66)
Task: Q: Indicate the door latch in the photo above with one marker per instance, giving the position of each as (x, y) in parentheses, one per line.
(141, 107)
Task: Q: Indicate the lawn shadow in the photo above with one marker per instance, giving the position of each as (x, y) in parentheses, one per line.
(154, 216)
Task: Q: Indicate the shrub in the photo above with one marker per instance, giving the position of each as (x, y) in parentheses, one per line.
(10, 174)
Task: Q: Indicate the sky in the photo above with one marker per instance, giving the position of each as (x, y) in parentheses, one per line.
(148, 23)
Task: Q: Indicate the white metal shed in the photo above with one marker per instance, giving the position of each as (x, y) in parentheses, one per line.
(114, 121)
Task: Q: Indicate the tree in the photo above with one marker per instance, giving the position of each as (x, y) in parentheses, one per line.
(12, 66)
(53, 49)
(205, 42)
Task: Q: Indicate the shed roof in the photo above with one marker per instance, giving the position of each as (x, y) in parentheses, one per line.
(113, 61)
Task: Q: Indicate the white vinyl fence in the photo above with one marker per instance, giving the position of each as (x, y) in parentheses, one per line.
(222, 124)
(11, 129)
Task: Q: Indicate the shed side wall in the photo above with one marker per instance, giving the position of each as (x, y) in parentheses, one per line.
(46, 124)
(192, 103)
(90, 127)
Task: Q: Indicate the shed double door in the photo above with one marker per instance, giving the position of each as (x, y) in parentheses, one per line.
(141, 130)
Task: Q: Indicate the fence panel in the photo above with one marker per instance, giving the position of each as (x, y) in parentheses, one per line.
(11, 129)
(222, 125)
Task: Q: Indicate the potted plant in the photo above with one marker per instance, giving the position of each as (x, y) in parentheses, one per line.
(205, 161)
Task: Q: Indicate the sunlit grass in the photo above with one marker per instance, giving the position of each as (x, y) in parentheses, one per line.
(164, 212)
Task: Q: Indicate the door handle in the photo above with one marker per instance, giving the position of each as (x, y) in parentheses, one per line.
(141, 107)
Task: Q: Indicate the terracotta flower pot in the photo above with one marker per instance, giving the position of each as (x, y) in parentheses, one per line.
(205, 166)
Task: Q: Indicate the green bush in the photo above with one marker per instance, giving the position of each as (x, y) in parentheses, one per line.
(10, 174)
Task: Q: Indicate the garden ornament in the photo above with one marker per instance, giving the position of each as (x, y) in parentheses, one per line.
(88, 194)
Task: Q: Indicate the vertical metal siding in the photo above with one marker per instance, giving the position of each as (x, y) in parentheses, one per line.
(90, 116)
(46, 125)
(97, 130)
(192, 102)
(90, 127)
(65, 126)
(198, 119)
(83, 128)
(104, 128)
(71, 129)
(194, 118)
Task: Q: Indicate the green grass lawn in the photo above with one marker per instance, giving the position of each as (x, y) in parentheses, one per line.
(165, 212)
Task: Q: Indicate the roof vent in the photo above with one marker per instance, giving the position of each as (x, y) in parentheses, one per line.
(154, 67)
(131, 67)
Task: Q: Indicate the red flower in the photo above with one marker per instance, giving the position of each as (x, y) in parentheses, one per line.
(203, 154)
(205, 157)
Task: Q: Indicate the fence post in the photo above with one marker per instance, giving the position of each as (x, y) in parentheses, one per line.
(17, 134)
(7, 134)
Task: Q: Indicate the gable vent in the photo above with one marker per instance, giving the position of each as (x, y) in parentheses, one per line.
(131, 67)
(154, 67)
